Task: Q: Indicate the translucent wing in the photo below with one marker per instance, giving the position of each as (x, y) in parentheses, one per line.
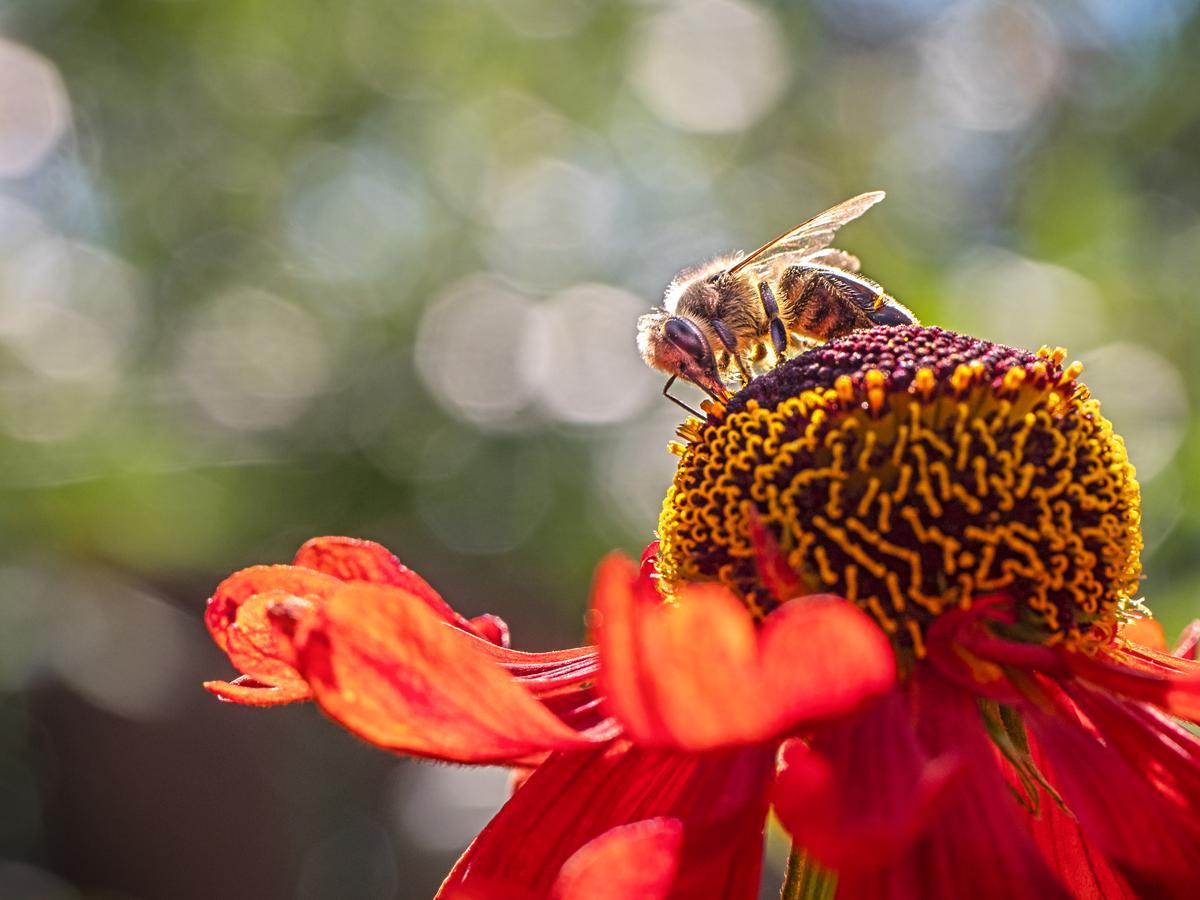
(815, 234)
(839, 259)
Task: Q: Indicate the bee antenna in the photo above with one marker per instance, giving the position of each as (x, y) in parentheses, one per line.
(666, 392)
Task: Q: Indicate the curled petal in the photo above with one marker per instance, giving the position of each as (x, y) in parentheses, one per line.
(963, 647)
(491, 628)
(697, 674)
(718, 799)
(236, 619)
(236, 614)
(391, 671)
(221, 613)
(353, 559)
(248, 692)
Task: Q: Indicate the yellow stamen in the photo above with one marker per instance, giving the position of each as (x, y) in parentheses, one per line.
(910, 495)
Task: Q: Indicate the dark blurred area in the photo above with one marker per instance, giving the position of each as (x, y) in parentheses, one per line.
(272, 270)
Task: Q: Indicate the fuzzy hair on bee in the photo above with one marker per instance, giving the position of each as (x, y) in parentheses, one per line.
(726, 319)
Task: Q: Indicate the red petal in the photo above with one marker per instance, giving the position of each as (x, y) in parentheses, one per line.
(492, 629)
(630, 861)
(1147, 632)
(353, 559)
(1169, 682)
(1133, 780)
(648, 567)
(976, 845)
(393, 673)
(962, 647)
(697, 674)
(637, 860)
(565, 681)
(779, 578)
(239, 626)
(222, 610)
(865, 791)
(1189, 640)
(236, 614)
(718, 798)
(248, 692)
(1076, 859)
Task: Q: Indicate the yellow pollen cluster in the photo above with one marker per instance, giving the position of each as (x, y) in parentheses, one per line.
(912, 489)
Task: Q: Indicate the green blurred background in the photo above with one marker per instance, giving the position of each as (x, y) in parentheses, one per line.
(277, 269)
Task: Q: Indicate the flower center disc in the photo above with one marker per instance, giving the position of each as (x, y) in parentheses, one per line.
(910, 470)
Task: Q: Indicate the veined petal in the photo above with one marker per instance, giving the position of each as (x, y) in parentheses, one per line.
(976, 844)
(1170, 682)
(565, 682)
(865, 790)
(391, 671)
(696, 673)
(1076, 859)
(719, 800)
(1133, 780)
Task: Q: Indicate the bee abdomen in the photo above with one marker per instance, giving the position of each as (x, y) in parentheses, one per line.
(825, 304)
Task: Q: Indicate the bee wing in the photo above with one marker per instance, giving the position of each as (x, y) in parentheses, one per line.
(838, 259)
(815, 234)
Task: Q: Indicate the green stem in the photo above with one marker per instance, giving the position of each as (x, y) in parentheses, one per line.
(806, 879)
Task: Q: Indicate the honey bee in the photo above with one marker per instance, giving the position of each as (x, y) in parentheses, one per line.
(740, 313)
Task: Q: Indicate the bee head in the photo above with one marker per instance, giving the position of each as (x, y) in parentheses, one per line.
(677, 346)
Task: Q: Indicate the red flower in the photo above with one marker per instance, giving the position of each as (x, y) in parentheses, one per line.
(981, 521)
(696, 701)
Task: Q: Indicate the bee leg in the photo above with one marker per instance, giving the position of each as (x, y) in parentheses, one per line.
(778, 331)
(666, 392)
(746, 374)
(730, 341)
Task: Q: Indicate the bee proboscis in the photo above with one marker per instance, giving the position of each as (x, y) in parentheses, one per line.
(741, 314)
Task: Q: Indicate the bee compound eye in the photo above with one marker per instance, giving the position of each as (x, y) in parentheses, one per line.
(687, 337)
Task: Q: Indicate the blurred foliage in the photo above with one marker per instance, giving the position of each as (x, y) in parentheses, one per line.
(270, 270)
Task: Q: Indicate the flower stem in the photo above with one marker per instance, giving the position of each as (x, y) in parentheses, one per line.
(806, 879)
